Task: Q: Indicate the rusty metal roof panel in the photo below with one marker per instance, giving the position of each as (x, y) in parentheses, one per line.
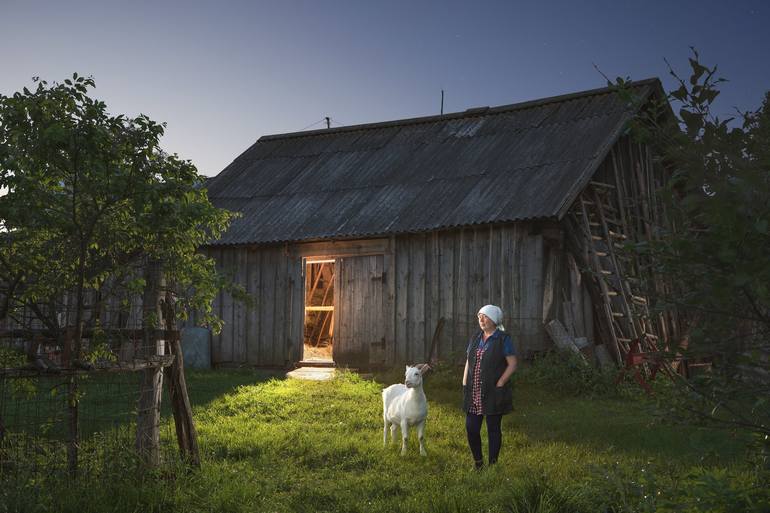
(481, 166)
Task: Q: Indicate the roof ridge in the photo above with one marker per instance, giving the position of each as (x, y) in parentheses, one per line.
(470, 112)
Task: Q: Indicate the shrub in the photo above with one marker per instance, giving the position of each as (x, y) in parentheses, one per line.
(567, 373)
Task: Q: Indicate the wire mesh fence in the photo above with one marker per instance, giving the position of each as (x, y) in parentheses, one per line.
(38, 420)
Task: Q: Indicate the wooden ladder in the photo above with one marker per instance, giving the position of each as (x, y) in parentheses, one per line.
(624, 306)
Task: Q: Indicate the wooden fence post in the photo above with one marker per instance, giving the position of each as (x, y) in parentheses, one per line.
(186, 436)
(151, 382)
(73, 433)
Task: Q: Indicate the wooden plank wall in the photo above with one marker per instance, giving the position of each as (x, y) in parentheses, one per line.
(521, 267)
(566, 294)
(360, 329)
(451, 274)
(269, 333)
(424, 277)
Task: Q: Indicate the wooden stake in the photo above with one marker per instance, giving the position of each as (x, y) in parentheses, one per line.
(151, 383)
(435, 339)
(186, 435)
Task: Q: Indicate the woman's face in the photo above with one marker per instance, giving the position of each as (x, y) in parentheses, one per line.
(485, 323)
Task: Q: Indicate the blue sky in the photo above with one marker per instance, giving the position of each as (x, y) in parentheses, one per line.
(222, 74)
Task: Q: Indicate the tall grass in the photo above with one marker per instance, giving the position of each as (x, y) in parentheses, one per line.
(274, 444)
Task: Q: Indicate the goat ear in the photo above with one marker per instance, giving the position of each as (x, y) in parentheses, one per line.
(424, 368)
(407, 367)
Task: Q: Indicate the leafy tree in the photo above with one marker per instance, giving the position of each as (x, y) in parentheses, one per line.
(88, 199)
(715, 249)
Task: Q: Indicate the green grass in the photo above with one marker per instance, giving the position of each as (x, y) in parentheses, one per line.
(271, 444)
(625, 426)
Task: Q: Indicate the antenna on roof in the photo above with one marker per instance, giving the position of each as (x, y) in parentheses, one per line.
(442, 102)
(328, 122)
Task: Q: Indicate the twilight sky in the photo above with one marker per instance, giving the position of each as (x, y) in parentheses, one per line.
(222, 74)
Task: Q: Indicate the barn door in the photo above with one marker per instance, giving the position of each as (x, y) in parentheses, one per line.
(359, 331)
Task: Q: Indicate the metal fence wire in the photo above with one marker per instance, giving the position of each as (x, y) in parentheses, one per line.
(35, 426)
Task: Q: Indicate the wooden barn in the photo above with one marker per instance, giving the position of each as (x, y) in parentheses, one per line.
(369, 245)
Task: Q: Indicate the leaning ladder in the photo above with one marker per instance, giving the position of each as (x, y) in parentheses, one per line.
(624, 305)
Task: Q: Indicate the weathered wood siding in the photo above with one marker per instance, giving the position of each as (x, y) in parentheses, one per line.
(359, 331)
(630, 179)
(520, 267)
(566, 293)
(452, 274)
(269, 333)
(390, 297)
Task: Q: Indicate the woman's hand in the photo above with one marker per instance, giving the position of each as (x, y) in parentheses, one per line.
(511, 361)
(465, 372)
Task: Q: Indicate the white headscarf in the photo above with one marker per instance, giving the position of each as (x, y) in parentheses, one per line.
(495, 314)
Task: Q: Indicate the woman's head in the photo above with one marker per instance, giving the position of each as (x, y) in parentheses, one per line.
(490, 314)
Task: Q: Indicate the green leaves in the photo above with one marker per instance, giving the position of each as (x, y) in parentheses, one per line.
(692, 121)
(698, 70)
(713, 254)
(91, 196)
(680, 94)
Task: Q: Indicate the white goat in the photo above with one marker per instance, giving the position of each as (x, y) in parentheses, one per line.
(406, 405)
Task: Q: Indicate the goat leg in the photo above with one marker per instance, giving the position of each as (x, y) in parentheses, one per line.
(384, 430)
(421, 437)
(404, 435)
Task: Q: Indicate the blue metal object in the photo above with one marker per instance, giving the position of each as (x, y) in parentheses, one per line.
(196, 348)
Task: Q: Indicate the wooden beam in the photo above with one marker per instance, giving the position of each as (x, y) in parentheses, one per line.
(133, 366)
(120, 333)
(327, 318)
(319, 308)
(435, 339)
(341, 248)
(186, 435)
(561, 338)
(309, 297)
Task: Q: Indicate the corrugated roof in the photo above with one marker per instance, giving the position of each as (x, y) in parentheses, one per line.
(488, 165)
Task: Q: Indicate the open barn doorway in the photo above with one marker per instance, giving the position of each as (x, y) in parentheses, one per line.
(319, 311)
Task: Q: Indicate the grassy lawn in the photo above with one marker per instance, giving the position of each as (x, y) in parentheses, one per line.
(272, 444)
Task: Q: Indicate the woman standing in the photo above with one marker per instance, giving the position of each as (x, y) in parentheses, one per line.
(491, 359)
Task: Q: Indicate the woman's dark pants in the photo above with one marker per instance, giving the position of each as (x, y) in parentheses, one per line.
(494, 434)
